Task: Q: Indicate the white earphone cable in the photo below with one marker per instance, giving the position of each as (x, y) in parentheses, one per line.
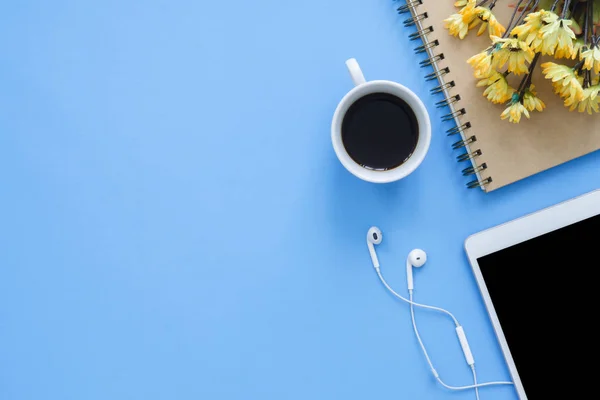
(475, 382)
(413, 303)
(414, 324)
(418, 258)
(479, 385)
(433, 370)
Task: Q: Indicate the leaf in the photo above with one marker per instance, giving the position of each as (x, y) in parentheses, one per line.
(576, 27)
(545, 5)
(597, 13)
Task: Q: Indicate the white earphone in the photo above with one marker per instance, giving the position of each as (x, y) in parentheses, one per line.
(417, 258)
(374, 237)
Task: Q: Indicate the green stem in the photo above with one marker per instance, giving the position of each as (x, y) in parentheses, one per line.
(508, 28)
(565, 9)
(530, 7)
(531, 4)
(593, 39)
(587, 79)
(574, 6)
(589, 21)
(555, 5)
(526, 82)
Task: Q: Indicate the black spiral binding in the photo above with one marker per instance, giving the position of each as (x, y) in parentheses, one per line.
(418, 19)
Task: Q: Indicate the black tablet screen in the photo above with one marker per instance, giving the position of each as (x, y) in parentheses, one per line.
(545, 293)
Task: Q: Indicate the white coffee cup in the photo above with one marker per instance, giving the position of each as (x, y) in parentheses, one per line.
(362, 89)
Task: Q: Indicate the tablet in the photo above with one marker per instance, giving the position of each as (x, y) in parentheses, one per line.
(537, 276)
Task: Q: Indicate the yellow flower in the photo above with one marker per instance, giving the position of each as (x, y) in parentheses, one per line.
(590, 101)
(498, 90)
(482, 63)
(565, 82)
(458, 24)
(514, 51)
(578, 47)
(592, 59)
(529, 32)
(557, 36)
(486, 18)
(565, 52)
(460, 3)
(569, 52)
(514, 112)
(531, 101)
(572, 94)
(469, 9)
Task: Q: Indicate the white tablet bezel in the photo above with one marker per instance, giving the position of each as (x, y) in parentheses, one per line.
(518, 231)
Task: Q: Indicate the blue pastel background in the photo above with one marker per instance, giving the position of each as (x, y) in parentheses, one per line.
(174, 223)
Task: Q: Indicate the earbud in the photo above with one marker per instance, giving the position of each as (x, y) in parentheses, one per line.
(416, 258)
(374, 237)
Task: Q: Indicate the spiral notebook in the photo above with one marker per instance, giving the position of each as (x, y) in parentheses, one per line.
(497, 152)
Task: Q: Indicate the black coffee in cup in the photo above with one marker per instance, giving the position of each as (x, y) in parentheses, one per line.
(380, 131)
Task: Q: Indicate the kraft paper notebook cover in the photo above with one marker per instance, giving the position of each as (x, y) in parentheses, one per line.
(498, 151)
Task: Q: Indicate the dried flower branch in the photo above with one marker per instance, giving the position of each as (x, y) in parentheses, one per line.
(562, 29)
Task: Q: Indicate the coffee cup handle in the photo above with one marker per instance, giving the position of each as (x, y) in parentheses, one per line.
(355, 72)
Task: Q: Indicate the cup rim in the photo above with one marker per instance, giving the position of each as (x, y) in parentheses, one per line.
(423, 143)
